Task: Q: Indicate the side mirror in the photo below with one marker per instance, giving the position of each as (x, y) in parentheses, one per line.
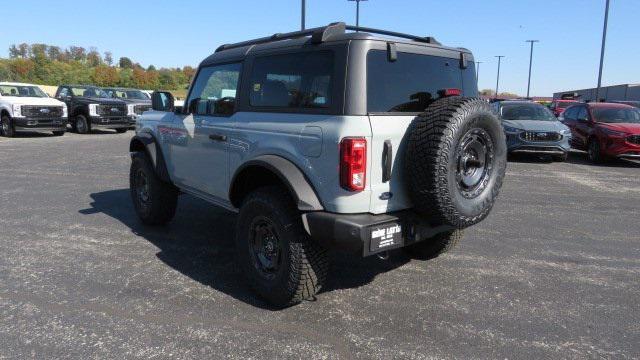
(162, 101)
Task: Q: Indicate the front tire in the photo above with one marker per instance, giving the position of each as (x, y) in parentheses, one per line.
(279, 259)
(154, 200)
(7, 127)
(82, 125)
(594, 152)
(435, 246)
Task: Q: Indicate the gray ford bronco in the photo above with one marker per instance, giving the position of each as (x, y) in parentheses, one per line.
(333, 138)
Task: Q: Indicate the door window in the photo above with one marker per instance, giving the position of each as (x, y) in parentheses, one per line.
(582, 113)
(214, 91)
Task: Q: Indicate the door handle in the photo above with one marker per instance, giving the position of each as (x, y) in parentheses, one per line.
(218, 137)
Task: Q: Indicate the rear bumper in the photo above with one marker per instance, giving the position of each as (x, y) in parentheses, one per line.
(368, 234)
(40, 124)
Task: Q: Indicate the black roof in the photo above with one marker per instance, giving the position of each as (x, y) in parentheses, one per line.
(332, 33)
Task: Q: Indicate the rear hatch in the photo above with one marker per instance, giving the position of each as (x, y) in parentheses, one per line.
(397, 91)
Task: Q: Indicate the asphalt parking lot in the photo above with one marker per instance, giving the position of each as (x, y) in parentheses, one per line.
(554, 272)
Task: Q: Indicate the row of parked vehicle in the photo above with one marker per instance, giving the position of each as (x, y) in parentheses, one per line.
(25, 107)
(605, 130)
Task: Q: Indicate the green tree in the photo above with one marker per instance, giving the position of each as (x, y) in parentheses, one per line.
(125, 63)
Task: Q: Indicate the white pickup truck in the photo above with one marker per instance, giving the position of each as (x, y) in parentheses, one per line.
(25, 107)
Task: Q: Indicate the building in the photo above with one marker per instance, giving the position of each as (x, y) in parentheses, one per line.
(607, 93)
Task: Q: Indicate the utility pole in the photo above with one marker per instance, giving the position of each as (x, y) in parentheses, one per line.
(498, 76)
(604, 39)
(530, 62)
(478, 72)
(303, 15)
(357, 11)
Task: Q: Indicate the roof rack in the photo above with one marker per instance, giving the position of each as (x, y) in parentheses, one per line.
(324, 33)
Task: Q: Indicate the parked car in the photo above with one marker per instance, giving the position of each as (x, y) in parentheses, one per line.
(137, 101)
(319, 147)
(558, 106)
(91, 108)
(25, 107)
(605, 130)
(532, 129)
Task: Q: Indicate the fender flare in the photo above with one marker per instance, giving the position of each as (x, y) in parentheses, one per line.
(289, 174)
(146, 142)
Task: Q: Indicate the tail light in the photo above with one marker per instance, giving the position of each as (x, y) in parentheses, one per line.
(449, 92)
(353, 163)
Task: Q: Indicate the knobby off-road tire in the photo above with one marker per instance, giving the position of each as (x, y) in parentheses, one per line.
(6, 127)
(435, 246)
(154, 200)
(455, 161)
(280, 261)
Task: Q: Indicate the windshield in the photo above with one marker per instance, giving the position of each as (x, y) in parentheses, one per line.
(127, 94)
(616, 115)
(89, 91)
(22, 91)
(526, 112)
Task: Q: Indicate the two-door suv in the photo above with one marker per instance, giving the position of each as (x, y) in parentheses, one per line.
(605, 130)
(91, 108)
(25, 107)
(325, 139)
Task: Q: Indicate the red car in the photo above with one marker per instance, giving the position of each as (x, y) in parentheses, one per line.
(605, 130)
(558, 106)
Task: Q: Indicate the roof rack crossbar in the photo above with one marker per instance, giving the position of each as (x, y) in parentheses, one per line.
(424, 39)
(324, 33)
(318, 35)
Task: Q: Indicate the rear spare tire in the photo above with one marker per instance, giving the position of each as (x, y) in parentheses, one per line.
(455, 161)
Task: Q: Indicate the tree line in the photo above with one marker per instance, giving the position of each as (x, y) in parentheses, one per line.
(51, 65)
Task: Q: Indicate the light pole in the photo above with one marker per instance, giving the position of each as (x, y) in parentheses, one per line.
(498, 76)
(478, 72)
(303, 15)
(604, 39)
(357, 11)
(530, 62)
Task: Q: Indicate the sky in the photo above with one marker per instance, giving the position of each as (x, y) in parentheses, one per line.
(177, 33)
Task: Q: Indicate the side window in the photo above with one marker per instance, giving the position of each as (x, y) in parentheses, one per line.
(582, 113)
(214, 91)
(570, 113)
(64, 92)
(301, 80)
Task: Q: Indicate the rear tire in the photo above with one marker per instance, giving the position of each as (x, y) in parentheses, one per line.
(281, 262)
(82, 125)
(455, 161)
(7, 127)
(154, 200)
(435, 246)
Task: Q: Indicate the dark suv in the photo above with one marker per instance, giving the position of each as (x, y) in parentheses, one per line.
(91, 108)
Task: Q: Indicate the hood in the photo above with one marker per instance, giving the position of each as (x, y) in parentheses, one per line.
(97, 100)
(136, 101)
(535, 125)
(630, 128)
(31, 101)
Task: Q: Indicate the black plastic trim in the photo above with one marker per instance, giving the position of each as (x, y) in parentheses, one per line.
(153, 151)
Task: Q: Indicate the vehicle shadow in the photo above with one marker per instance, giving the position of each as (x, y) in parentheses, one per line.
(580, 158)
(199, 243)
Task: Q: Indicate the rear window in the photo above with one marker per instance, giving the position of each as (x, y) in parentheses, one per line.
(300, 80)
(412, 82)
